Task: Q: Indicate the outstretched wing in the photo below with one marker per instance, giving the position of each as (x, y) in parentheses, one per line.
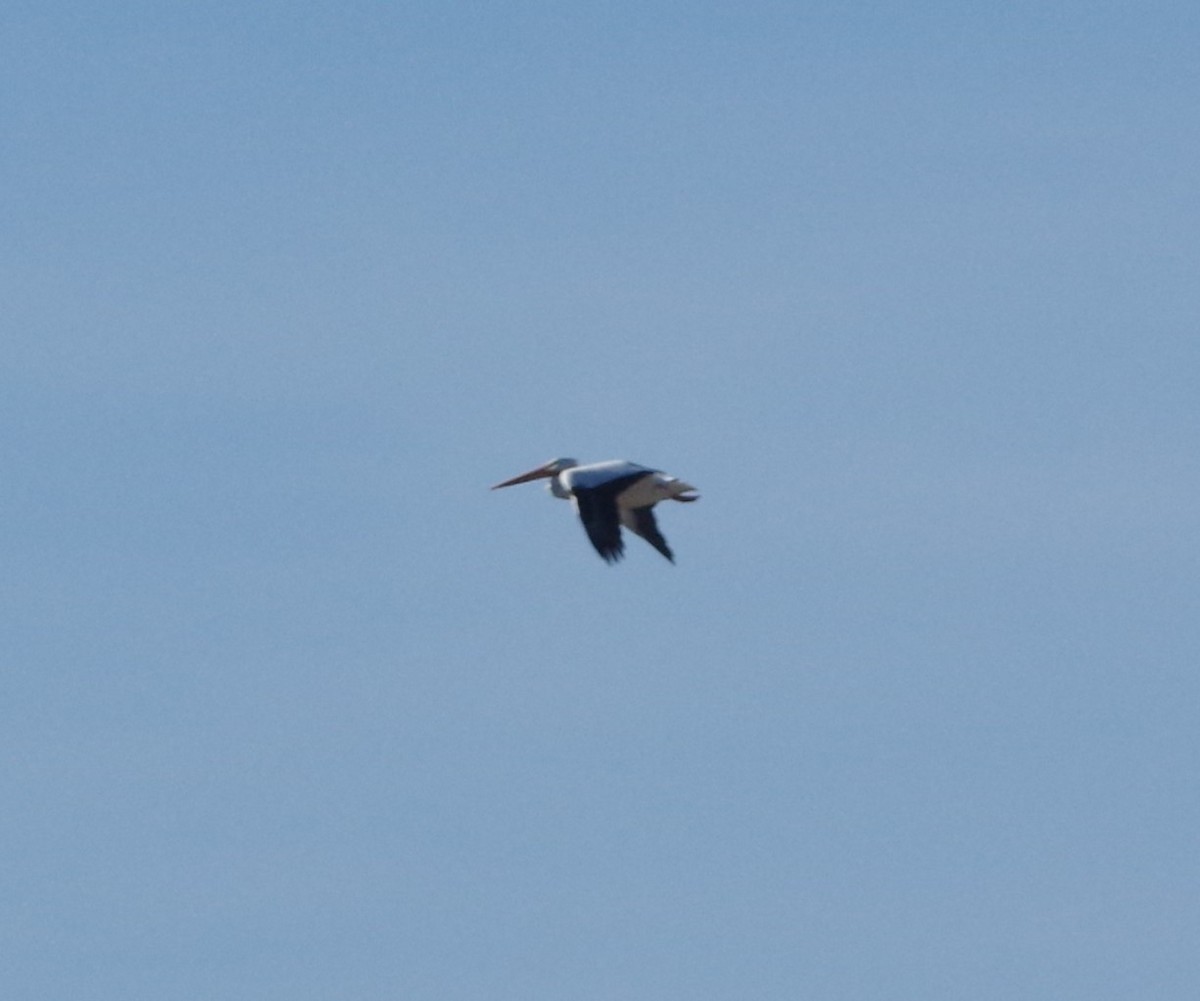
(598, 511)
(640, 520)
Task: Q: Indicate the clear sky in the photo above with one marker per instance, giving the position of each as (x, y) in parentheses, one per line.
(294, 708)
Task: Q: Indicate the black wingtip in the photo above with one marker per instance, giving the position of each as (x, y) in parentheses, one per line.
(611, 555)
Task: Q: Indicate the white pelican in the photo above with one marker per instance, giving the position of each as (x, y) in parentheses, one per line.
(608, 495)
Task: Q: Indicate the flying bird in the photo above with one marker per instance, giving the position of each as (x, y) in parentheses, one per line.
(608, 495)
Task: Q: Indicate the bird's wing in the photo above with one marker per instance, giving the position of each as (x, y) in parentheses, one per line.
(598, 511)
(640, 520)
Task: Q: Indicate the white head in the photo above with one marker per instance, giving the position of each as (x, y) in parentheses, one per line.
(550, 470)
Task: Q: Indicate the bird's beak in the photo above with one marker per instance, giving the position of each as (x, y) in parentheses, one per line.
(534, 474)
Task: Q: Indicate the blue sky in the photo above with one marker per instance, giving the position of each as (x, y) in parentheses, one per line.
(294, 707)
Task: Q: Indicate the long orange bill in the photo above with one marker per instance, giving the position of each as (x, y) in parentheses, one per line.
(534, 474)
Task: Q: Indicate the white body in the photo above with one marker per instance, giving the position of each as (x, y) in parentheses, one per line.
(652, 488)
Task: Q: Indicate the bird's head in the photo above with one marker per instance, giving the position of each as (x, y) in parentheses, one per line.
(549, 469)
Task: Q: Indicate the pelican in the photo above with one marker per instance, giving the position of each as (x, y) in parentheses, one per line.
(608, 495)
